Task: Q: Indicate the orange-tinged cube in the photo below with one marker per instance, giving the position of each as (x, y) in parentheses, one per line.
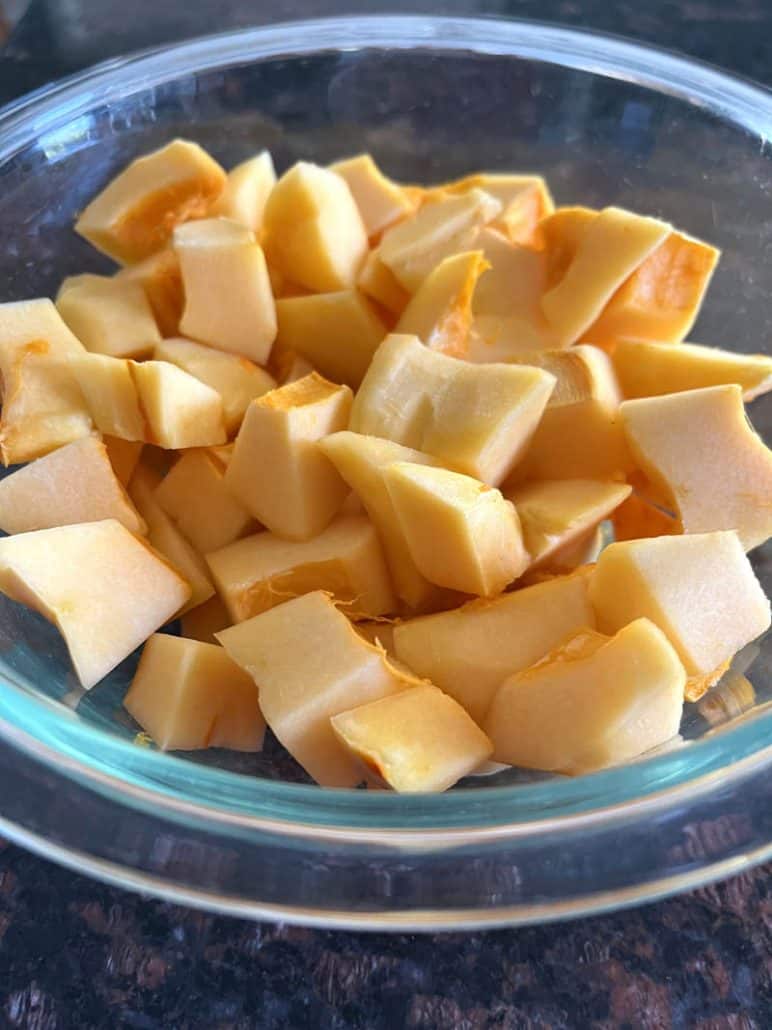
(246, 191)
(109, 315)
(381, 202)
(180, 411)
(111, 395)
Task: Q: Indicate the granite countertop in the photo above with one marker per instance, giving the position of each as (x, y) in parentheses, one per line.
(77, 954)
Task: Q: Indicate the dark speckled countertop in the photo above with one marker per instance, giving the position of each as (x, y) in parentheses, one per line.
(76, 954)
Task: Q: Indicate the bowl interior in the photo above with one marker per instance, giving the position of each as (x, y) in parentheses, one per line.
(428, 107)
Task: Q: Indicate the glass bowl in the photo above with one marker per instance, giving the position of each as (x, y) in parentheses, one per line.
(607, 122)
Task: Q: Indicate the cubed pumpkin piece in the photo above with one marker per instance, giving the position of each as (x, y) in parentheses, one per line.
(110, 393)
(278, 471)
(109, 315)
(33, 327)
(193, 493)
(123, 455)
(246, 191)
(612, 248)
(135, 214)
(700, 590)
(413, 248)
(580, 435)
(104, 589)
(313, 231)
(310, 664)
(525, 200)
(378, 282)
(470, 651)
(556, 513)
(345, 559)
(636, 518)
(462, 534)
(440, 311)
(43, 407)
(72, 484)
(188, 695)
(165, 537)
(381, 202)
(699, 449)
(228, 300)
(477, 419)
(417, 741)
(337, 332)
(662, 297)
(237, 380)
(160, 277)
(361, 461)
(203, 621)
(648, 369)
(180, 411)
(559, 237)
(575, 713)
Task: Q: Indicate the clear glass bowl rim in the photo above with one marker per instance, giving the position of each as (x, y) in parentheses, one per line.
(159, 782)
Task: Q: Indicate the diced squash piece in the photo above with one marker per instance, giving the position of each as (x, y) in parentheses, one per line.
(413, 248)
(110, 393)
(313, 231)
(345, 560)
(699, 449)
(33, 327)
(505, 337)
(381, 202)
(180, 411)
(559, 237)
(525, 200)
(228, 300)
(160, 277)
(636, 519)
(278, 471)
(379, 283)
(470, 651)
(72, 484)
(237, 380)
(555, 513)
(361, 461)
(648, 369)
(194, 495)
(580, 435)
(612, 248)
(662, 298)
(109, 315)
(188, 695)
(43, 407)
(462, 534)
(574, 714)
(123, 455)
(310, 664)
(418, 741)
(700, 590)
(246, 191)
(337, 332)
(104, 589)
(440, 312)
(203, 621)
(135, 214)
(477, 419)
(164, 536)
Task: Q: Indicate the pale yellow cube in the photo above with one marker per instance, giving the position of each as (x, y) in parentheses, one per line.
(180, 411)
(699, 449)
(469, 651)
(278, 471)
(246, 191)
(104, 589)
(337, 332)
(381, 202)
(462, 534)
(33, 327)
(313, 231)
(700, 590)
(310, 664)
(110, 393)
(109, 315)
(525, 200)
(228, 300)
(237, 380)
(160, 277)
(609, 703)
(188, 695)
(418, 741)
(135, 214)
(75, 483)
